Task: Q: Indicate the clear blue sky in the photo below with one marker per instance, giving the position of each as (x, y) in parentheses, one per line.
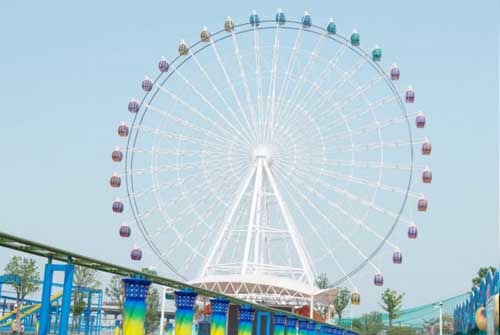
(69, 68)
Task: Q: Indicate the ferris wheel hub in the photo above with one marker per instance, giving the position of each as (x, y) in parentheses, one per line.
(262, 151)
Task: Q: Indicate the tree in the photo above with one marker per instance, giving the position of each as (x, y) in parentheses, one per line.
(82, 278)
(322, 284)
(114, 291)
(26, 271)
(392, 302)
(341, 301)
(322, 281)
(432, 326)
(369, 324)
(152, 321)
(401, 331)
(476, 281)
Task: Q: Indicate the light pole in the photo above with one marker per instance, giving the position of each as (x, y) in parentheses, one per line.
(440, 305)
(162, 317)
(440, 318)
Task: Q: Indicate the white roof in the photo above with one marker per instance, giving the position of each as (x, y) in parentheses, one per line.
(262, 287)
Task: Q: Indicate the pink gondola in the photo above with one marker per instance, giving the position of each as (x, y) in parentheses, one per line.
(125, 231)
(115, 181)
(117, 206)
(123, 130)
(395, 72)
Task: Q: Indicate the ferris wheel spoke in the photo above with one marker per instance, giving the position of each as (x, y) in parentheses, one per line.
(233, 90)
(326, 219)
(372, 126)
(238, 238)
(291, 64)
(366, 164)
(321, 103)
(248, 134)
(358, 112)
(203, 143)
(170, 167)
(241, 136)
(271, 96)
(314, 88)
(228, 221)
(342, 210)
(192, 208)
(375, 146)
(182, 214)
(184, 123)
(387, 122)
(340, 105)
(210, 210)
(244, 79)
(370, 204)
(201, 153)
(366, 182)
(164, 186)
(332, 65)
(313, 228)
(258, 81)
(293, 124)
(359, 89)
(300, 83)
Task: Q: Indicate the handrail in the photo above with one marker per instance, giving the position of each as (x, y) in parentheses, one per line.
(26, 310)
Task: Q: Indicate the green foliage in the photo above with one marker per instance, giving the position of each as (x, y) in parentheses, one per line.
(476, 281)
(82, 278)
(152, 321)
(401, 331)
(432, 325)
(392, 302)
(27, 271)
(341, 301)
(322, 281)
(368, 324)
(114, 291)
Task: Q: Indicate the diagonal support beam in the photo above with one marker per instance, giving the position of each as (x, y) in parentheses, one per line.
(296, 240)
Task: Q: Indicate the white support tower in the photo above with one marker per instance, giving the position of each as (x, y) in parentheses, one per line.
(257, 222)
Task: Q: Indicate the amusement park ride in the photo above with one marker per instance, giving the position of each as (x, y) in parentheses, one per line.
(267, 153)
(262, 155)
(89, 323)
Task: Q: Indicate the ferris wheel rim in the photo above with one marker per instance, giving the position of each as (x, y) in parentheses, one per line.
(314, 29)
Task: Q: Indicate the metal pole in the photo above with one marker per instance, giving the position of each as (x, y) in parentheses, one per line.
(311, 314)
(45, 309)
(440, 318)
(162, 315)
(66, 298)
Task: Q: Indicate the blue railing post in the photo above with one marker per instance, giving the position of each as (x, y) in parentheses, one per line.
(311, 328)
(45, 309)
(66, 298)
(245, 320)
(87, 313)
(218, 319)
(279, 321)
(303, 329)
(291, 325)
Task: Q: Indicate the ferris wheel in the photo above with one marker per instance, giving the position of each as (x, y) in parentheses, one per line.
(268, 152)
